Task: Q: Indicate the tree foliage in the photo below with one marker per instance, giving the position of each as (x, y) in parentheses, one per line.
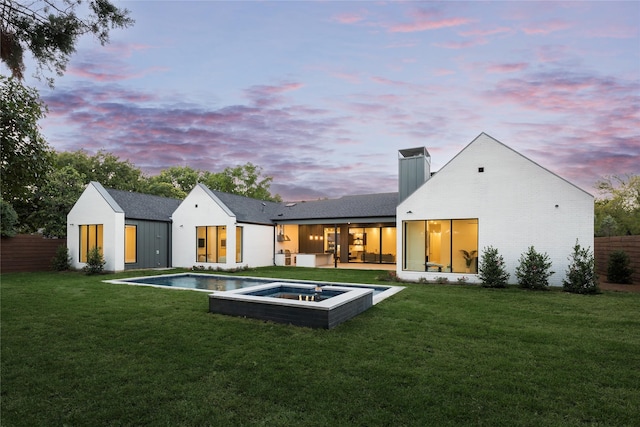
(245, 180)
(50, 30)
(54, 200)
(617, 208)
(8, 219)
(106, 168)
(26, 156)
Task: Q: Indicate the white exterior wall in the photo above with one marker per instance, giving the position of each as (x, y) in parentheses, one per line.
(258, 250)
(200, 209)
(92, 208)
(517, 203)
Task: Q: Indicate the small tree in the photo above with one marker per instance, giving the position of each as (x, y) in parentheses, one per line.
(492, 271)
(581, 275)
(8, 219)
(534, 270)
(95, 261)
(61, 261)
(619, 269)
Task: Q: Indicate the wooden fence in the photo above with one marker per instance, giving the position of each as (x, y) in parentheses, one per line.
(603, 246)
(26, 252)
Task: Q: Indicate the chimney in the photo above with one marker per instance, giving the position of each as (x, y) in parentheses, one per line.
(414, 169)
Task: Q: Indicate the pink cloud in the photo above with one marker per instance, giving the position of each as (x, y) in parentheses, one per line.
(102, 72)
(349, 18)
(443, 72)
(485, 33)
(617, 32)
(263, 95)
(507, 68)
(427, 20)
(545, 28)
(462, 44)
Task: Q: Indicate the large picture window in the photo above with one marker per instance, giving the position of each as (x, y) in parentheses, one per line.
(130, 244)
(90, 237)
(444, 245)
(211, 244)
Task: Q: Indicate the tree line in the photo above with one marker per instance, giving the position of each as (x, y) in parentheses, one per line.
(43, 204)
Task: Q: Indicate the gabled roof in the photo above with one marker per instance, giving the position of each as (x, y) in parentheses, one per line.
(144, 206)
(245, 209)
(381, 205)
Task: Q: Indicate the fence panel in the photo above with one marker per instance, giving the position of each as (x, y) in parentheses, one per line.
(603, 246)
(26, 252)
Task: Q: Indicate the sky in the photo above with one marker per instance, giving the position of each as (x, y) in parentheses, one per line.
(322, 94)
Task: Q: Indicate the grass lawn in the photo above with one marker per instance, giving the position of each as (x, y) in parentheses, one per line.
(79, 352)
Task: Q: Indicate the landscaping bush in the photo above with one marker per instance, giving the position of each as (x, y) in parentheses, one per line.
(534, 270)
(581, 275)
(61, 260)
(618, 269)
(95, 261)
(8, 219)
(491, 270)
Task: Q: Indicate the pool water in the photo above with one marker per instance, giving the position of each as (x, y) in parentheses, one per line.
(289, 292)
(198, 281)
(210, 282)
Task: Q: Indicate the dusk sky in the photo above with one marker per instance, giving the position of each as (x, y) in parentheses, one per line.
(322, 95)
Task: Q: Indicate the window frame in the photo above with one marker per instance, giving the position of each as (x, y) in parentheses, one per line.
(135, 243)
(85, 232)
(453, 257)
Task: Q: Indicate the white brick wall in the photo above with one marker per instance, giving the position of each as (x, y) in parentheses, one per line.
(92, 208)
(517, 202)
(199, 209)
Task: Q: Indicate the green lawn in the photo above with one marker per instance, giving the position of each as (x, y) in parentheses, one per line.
(79, 352)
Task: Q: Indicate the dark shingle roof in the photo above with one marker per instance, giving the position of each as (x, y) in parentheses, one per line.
(360, 206)
(145, 206)
(247, 209)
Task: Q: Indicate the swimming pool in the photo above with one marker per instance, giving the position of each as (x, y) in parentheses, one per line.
(221, 283)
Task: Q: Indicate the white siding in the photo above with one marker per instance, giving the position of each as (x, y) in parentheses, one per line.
(200, 209)
(92, 208)
(517, 202)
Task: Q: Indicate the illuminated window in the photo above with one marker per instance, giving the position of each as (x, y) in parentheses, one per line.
(90, 237)
(441, 245)
(211, 244)
(130, 244)
(238, 244)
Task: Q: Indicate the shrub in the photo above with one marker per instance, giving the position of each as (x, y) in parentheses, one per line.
(462, 280)
(61, 260)
(389, 276)
(441, 280)
(491, 270)
(95, 261)
(581, 275)
(618, 269)
(8, 219)
(534, 270)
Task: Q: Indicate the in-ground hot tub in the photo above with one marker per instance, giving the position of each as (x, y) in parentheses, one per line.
(297, 304)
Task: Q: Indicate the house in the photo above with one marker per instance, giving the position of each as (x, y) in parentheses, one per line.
(132, 229)
(490, 195)
(487, 195)
(216, 229)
